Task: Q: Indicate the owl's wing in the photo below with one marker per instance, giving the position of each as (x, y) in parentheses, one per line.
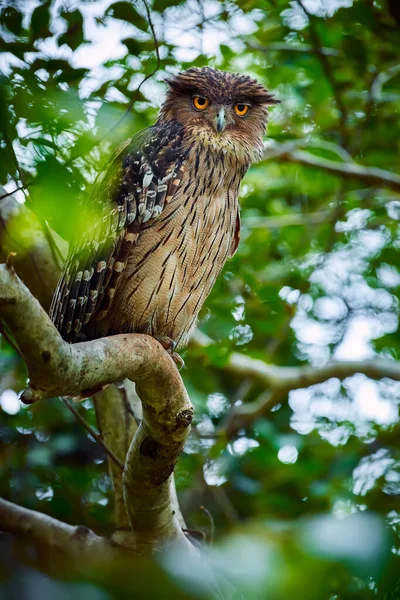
(141, 177)
(236, 235)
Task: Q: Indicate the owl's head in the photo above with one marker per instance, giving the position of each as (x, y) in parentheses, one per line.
(224, 111)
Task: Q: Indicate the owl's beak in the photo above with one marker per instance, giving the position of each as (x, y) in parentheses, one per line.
(221, 120)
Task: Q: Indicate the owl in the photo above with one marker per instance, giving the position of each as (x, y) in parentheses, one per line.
(164, 214)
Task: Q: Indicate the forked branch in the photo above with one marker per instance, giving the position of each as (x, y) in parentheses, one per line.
(57, 368)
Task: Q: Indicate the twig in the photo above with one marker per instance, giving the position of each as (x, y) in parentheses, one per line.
(7, 337)
(97, 437)
(149, 76)
(128, 406)
(224, 502)
(9, 144)
(212, 524)
(17, 189)
(196, 534)
(379, 81)
(10, 260)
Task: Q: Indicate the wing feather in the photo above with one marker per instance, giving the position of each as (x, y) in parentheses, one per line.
(141, 177)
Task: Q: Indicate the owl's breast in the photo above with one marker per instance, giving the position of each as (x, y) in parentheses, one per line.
(177, 258)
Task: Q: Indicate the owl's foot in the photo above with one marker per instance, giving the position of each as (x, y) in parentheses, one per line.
(170, 346)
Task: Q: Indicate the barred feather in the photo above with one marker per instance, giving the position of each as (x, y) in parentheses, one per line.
(139, 179)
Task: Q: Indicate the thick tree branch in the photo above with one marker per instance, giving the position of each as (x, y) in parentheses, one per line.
(150, 463)
(57, 368)
(284, 379)
(369, 175)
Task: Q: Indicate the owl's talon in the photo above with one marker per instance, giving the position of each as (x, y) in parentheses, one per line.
(169, 345)
(178, 360)
(172, 347)
(166, 342)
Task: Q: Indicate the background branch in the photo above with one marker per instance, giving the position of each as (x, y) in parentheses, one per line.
(111, 409)
(369, 175)
(279, 381)
(76, 542)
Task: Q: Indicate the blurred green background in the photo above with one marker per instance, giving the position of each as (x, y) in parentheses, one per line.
(305, 501)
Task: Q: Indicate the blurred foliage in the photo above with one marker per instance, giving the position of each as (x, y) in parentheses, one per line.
(305, 501)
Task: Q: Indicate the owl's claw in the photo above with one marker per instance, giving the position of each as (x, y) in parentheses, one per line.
(170, 346)
(178, 360)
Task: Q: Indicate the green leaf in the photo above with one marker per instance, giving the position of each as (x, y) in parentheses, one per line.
(11, 18)
(73, 37)
(126, 12)
(16, 48)
(161, 5)
(70, 75)
(134, 46)
(40, 21)
(40, 141)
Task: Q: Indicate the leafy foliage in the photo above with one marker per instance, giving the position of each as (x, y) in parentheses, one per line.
(299, 495)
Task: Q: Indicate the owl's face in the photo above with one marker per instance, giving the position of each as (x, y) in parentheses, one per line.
(224, 111)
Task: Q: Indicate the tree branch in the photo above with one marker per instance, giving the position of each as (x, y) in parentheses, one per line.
(110, 410)
(289, 220)
(150, 463)
(369, 175)
(279, 381)
(77, 542)
(297, 48)
(284, 379)
(57, 368)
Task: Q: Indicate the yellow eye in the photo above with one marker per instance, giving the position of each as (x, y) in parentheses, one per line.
(241, 109)
(200, 103)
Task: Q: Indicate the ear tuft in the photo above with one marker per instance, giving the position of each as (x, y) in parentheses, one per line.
(181, 84)
(264, 98)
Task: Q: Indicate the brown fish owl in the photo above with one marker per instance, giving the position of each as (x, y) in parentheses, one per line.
(165, 213)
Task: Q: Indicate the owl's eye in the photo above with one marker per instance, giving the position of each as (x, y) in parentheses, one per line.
(200, 103)
(241, 109)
